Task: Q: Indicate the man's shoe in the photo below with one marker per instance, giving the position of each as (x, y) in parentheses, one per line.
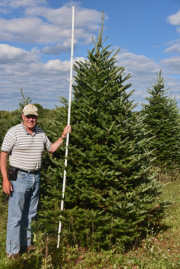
(13, 256)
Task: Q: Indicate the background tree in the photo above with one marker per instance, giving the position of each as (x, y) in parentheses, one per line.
(111, 198)
(24, 101)
(162, 123)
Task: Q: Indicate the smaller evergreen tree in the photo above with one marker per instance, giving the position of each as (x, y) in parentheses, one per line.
(24, 101)
(162, 122)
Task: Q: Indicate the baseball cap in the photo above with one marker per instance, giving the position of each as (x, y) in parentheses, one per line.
(30, 110)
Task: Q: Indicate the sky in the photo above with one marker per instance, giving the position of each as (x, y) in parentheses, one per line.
(35, 45)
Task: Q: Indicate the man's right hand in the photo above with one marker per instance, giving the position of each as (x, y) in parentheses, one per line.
(7, 187)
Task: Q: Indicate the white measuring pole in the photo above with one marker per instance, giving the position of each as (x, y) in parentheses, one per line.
(68, 123)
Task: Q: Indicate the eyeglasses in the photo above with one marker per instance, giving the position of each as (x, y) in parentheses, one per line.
(31, 117)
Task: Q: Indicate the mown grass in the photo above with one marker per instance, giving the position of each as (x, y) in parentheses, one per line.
(158, 251)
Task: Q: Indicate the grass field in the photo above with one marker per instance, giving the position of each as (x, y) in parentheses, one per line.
(157, 251)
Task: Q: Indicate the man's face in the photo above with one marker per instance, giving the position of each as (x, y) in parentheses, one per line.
(29, 121)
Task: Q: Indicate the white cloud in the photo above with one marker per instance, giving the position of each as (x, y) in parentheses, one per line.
(9, 54)
(174, 19)
(57, 65)
(87, 21)
(172, 64)
(137, 63)
(43, 25)
(58, 48)
(89, 18)
(30, 30)
(20, 3)
(144, 72)
(175, 45)
(79, 59)
(173, 49)
(43, 82)
(141, 68)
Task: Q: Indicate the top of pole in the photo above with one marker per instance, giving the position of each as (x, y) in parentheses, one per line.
(71, 66)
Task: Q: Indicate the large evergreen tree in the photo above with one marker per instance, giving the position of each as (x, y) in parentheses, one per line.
(163, 124)
(110, 196)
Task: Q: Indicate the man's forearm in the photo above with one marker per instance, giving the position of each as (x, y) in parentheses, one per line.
(56, 144)
(7, 186)
(4, 156)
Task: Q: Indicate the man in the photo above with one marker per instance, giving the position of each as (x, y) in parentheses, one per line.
(24, 144)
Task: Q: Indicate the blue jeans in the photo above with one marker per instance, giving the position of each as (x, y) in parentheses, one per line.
(23, 204)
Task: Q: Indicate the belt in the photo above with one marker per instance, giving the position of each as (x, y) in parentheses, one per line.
(29, 171)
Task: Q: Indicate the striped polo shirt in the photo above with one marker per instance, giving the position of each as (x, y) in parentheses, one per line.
(25, 150)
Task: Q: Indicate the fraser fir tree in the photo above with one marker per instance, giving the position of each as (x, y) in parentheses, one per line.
(162, 122)
(110, 198)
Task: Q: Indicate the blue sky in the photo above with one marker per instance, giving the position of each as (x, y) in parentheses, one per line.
(35, 40)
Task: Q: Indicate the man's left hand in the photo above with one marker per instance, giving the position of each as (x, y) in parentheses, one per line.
(66, 130)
